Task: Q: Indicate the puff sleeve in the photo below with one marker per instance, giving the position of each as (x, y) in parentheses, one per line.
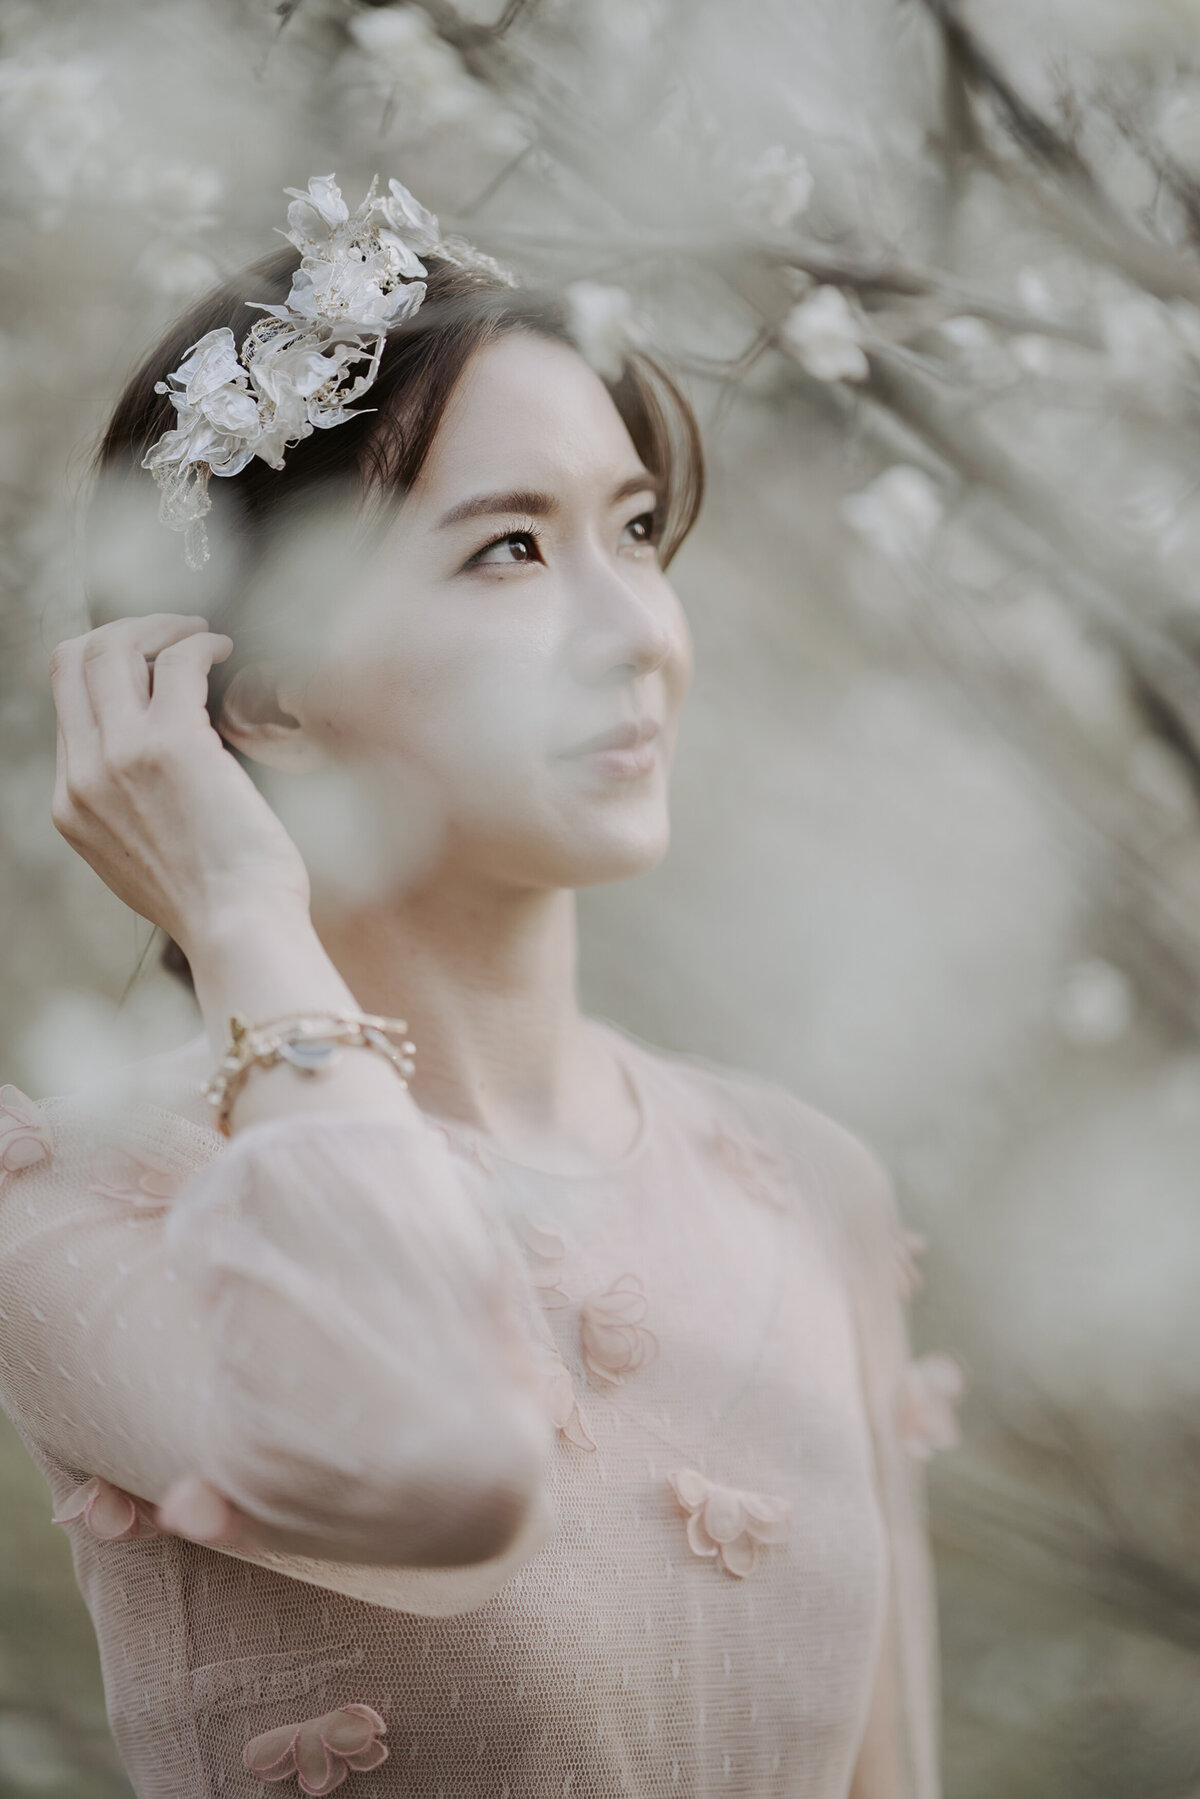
(899, 1756)
(314, 1317)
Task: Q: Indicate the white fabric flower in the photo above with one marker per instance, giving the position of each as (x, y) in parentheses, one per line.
(209, 365)
(316, 211)
(824, 335)
(410, 221)
(219, 419)
(899, 513)
(295, 372)
(350, 293)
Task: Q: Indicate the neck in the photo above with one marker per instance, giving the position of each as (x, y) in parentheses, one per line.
(486, 978)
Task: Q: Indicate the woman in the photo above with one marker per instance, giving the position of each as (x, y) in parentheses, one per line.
(544, 1426)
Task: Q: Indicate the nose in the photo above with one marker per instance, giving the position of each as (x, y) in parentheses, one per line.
(623, 628)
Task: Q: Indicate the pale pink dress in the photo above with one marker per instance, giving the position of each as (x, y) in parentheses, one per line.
(727, 1582)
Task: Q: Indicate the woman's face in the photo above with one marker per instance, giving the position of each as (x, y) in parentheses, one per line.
(515, 610)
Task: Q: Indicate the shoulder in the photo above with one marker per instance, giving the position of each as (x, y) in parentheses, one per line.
(148, 1115)
(832, 1161)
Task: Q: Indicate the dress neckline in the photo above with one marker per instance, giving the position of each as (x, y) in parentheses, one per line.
(471, 1140)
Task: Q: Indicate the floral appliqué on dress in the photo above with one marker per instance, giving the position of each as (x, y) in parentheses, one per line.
(906, 1246)
(321, 1752)
(755, 1165)
(117, 1173)
(614, 1339)
(728, 1522)
(930, 1387)
(25, 1135)
(558, 1395)
(110, 1513)
(545, 1249)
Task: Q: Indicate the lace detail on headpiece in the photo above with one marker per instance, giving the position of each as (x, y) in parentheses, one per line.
(299, 368)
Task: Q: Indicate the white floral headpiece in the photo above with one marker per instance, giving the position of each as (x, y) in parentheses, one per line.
(359, 275)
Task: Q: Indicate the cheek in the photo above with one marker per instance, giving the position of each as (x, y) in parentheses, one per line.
(678, 668)
(467, 712)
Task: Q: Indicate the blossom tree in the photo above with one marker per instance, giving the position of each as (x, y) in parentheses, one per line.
(931, 272)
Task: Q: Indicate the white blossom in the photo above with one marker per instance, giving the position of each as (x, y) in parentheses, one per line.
(1034, 353)
(186, 193)
(1035, 293)
(930, 1388)
(1149, 348)
(779, 186)
(603, 324)
(60, 123)
(1094, 1004)
(1137, 333)
(977, 347)
(1178, 126)
(899, 513)
(825, 336)
(424, 78)
(177, 271)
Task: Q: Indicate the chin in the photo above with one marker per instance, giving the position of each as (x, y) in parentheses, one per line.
(578, 844)
(608, 859)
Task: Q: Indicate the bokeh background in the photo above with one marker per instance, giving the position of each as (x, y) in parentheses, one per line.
(930, 271)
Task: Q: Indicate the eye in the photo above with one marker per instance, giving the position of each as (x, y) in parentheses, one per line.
(523, 544)
(645, 528)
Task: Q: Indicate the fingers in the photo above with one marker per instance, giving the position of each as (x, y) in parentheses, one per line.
(77, 732)
(101, 682)
(180, 681)
(115, 667)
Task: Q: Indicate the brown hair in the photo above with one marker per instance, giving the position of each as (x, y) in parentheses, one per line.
(383, 449)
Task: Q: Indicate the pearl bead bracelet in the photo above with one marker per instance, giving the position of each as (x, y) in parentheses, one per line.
(309, 1043)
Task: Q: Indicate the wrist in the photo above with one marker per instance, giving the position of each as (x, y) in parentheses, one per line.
(211, 934)
(261, 962)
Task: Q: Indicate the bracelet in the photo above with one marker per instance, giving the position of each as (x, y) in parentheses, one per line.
(310, 1042)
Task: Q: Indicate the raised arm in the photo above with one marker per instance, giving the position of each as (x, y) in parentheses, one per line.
(321, 1328)
(311, 1321)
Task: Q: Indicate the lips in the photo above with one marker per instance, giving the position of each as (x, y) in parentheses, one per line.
(619, 737)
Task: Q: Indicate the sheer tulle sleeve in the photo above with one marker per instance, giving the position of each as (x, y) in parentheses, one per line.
(909, 1409)
(900, 1753)
(315, 1317)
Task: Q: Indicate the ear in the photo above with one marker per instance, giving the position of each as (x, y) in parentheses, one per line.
(256, 716)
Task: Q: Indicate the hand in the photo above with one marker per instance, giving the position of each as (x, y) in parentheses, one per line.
(145, 789)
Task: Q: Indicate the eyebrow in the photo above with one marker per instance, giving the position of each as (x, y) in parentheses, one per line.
(540, 505)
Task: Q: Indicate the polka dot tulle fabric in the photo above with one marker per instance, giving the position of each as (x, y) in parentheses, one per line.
(723, 1587)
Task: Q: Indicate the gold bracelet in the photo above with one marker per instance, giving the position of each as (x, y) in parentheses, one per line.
(310, 1042)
